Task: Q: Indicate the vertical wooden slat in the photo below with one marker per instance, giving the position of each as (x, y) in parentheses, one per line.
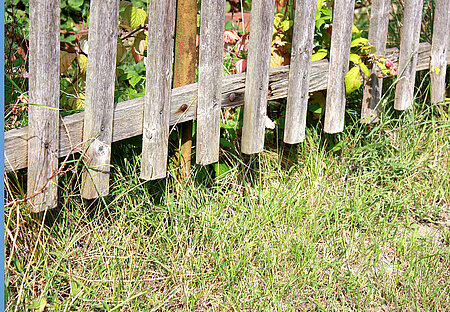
(43, 130)
(339, 57)
(378, 30)
(99, 104)
(439, 48)
(302, 44)
(158, 89)
(210, 74)
(409, 46)
(184, 72)
(257, 78)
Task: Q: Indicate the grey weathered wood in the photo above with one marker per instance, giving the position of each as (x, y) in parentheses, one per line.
(128, 115)
(210, 75)
(440, 46)
(99, 104)
(339, 58)
(158, 89)
(302, 45)
(378, 30)
(409, 45)
(43, 135)
(257, 80)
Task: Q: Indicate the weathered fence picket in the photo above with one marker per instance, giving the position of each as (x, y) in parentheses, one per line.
(128, 115)
(158, 85)
(302, 45)
(99, 104)
(409, 44)
(339, 58)
(39, 145)
(257, 79)
(440, 46)
(210, 74)
(43, 113)
(378, 31)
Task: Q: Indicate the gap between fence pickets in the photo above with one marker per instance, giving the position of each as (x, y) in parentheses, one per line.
(128, 115)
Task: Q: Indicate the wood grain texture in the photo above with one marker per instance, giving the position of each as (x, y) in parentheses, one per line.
(373, 87)
(440, 46)
(128, 115)
(409, 45)
(257, 79)
(99, 104)
(43, 135)
(339, 57)
(158, 89)
(210, 76)
(298, 89)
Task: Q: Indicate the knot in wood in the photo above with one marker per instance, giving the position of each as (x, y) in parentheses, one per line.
(148, 134)
(232, 97)
(183, 108)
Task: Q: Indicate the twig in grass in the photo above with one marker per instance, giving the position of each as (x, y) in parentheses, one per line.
(60, 171)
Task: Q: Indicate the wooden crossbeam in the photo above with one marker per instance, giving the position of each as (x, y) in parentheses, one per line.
(128, 114)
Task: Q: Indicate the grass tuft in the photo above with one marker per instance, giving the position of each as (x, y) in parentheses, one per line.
(363, 225)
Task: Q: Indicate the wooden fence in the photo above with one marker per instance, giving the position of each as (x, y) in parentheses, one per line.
(49, 137)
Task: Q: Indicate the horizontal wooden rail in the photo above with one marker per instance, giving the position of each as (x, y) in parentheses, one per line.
(128, 115)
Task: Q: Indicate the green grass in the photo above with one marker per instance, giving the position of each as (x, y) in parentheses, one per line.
(302, 228)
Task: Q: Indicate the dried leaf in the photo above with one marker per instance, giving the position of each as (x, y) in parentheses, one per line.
(240, 66)
(65, 60)
(278, 58)
(231, 36)
(242, 44)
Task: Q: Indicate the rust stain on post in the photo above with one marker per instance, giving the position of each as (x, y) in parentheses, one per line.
(184, 68)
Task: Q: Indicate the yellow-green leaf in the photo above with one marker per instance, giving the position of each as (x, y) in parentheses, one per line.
(82, 63)
(353, 80)
(286, 24)
(319, 5)
(322, 53)
(355, 58)
(369, 49)
(221, 169)
(359, 42)
(135, 17)
(38, 305)
(364, 69)
(355, 29)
